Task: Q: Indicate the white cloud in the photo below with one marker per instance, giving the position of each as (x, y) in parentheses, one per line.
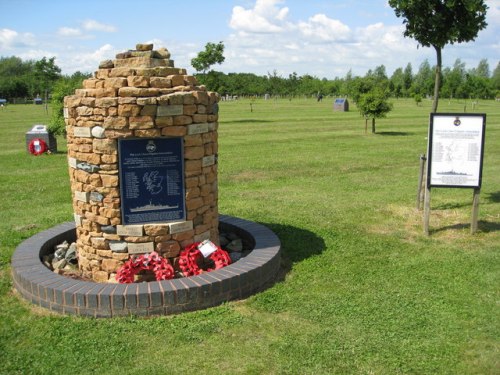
(264, 17)
(320, 27)
(69, 32)
(92, 25)
(12, 39)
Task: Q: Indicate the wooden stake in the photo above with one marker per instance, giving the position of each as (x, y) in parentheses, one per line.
(427, 209)
(475, 211)
(420, 180)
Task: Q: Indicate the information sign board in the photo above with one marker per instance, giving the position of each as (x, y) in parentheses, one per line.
(455, 151)
(151, 180)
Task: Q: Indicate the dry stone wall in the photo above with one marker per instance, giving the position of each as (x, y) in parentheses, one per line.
(140, 94)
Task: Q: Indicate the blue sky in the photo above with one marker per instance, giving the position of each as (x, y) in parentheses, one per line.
(317, 37)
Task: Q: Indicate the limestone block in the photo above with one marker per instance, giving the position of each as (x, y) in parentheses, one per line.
(164, 121)
(168, 249)
(163, 53)
(147, 133)
(174, 131)
(201, 97)
(193, 140)
(115, 82)
(72, 101)
(128, 110)
(141, 122)
(115, 122)
(190, 109)
(144, 47)
(104, 92)
(119, 133)
(109, 181)
(190, 80)
(99, 243)
(156, 229)
(102, 74)
(194, 152)
(105, 146)
(192, 165)
(142, 62)
(182, 120)
(110, 265)
(127, 100)
(121, 72)
(194, 204)
(106, 64)
(137, 91)
(146, 101)
(148, 110)
(177, 80)
(106, 102)
(138, 81)
(200, 118)
(160, 82)
(109, 158)
(89, 83)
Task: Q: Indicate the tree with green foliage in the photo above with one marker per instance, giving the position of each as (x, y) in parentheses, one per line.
(374, 105)
(213, 54)
(63, 87)
(436, 23)
(495, 80)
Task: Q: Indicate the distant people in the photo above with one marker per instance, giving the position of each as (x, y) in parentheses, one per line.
(320, 97)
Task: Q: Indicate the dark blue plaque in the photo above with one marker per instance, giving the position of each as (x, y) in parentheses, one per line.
(151, 180)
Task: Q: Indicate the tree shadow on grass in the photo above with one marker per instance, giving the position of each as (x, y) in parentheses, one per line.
(246, 121)
(297, 244)
(482, 226)
(494, 197)
(395, 133)
(451, 206)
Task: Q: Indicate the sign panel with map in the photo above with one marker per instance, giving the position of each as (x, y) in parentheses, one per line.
(151, 180)
(455, 152)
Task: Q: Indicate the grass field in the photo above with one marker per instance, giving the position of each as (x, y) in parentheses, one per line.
(363, 290)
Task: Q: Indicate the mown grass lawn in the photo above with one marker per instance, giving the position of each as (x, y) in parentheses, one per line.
(363, 290)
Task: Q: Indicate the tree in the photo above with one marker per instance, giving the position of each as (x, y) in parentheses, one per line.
(63, 87)
(423, 80)
(374, 105)
(495, 80)
(408, 78)
(213, 54)
(435, 23)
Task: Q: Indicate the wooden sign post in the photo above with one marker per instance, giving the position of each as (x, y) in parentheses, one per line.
(455, 157)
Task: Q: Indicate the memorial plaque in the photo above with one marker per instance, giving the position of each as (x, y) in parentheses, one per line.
(455, 153)
(151, 180)
(82, 132)
(141, 248)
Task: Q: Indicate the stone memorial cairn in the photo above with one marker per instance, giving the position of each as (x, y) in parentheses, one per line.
(139, 95)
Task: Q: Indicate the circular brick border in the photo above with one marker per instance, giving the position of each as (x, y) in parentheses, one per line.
(39, 285)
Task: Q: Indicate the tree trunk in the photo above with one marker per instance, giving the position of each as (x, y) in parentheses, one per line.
(437, 79)
(373, 125)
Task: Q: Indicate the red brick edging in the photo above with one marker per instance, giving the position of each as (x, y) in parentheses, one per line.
(41, 286)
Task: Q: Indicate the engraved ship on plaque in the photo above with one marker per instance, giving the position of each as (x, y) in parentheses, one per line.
(152, 207)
